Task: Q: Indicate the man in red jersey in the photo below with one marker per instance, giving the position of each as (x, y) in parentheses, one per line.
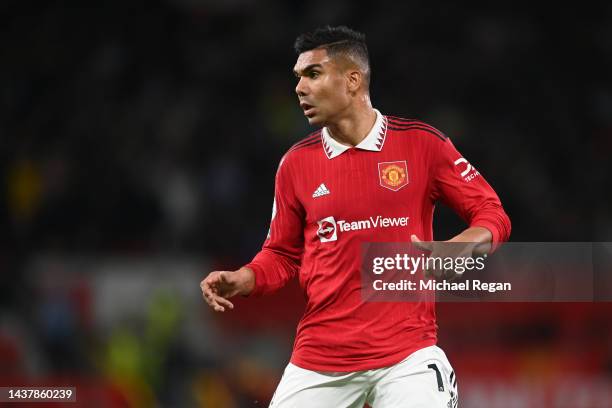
(363, 177)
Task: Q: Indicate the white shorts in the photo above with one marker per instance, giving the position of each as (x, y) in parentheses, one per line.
(425, 379)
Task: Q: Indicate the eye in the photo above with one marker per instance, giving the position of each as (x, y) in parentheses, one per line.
(314, 74)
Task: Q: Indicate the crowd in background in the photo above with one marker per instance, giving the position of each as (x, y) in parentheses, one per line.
(146, 129)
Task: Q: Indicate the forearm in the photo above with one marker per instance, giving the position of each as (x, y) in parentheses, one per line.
(271, 270)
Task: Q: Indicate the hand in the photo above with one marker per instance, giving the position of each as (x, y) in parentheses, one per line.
(474, 241)
(443, 250)
(219, 286)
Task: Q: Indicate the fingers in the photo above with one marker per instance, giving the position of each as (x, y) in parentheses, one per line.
(210, 294)
(434, 273)
(222, 303)
(423, 246)
(450, 274)
(440, 271)
(440, 254)
(218, 303)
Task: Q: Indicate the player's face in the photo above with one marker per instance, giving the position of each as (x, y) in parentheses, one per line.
(322, 87)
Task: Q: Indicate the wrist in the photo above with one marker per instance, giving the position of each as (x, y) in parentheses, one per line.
(246, 280)
(473, 235)
(477, 240)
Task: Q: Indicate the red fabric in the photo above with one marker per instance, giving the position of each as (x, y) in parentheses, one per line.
(339, 331)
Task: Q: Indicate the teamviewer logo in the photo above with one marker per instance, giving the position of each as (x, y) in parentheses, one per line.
(327, 231)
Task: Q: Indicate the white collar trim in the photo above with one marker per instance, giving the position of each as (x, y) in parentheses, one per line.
(374, 141)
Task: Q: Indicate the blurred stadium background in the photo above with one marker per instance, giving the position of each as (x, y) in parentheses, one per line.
(138, 146)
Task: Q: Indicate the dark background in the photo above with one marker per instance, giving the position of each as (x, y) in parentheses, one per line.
(146, 130)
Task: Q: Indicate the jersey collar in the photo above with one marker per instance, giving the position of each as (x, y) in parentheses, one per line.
(373, 142)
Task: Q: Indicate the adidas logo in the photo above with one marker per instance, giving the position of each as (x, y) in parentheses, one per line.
(320, 191)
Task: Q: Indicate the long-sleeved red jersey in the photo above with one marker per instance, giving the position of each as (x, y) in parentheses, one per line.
(331, 198)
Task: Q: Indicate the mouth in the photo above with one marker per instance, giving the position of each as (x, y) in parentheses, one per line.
(307, 108)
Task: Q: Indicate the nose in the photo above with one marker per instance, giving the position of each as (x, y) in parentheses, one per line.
(301, 88)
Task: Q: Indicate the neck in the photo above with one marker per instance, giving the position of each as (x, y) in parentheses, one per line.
(352, 127)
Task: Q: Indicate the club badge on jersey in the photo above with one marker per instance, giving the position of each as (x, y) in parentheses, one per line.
(393, 175)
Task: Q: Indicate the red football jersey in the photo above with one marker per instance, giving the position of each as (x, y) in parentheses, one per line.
(331, 198)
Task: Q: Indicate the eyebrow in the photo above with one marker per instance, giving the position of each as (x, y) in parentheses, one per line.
(308, 68)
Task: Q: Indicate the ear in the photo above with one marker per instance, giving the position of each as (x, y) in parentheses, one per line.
(354, 79)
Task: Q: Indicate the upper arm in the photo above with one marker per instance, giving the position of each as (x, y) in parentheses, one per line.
(287, 223)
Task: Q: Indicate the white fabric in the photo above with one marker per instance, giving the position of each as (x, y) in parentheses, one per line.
(372, 142)
(409, 383)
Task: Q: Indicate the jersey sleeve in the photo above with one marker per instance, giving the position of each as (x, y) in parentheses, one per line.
(280, 257)
(461, 186)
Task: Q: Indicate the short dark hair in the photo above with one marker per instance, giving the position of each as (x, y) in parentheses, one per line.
(339, 40)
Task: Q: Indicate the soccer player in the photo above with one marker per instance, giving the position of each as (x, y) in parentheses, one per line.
(329, 188)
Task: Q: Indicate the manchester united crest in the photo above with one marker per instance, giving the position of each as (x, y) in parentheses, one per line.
(393, 175)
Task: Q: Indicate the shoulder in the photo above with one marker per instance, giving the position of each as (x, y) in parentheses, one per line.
(310, 141)
(305, 147)
(415, 128)
(309, 144)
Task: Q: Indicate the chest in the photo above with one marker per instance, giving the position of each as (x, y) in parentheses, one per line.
(361, 184)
